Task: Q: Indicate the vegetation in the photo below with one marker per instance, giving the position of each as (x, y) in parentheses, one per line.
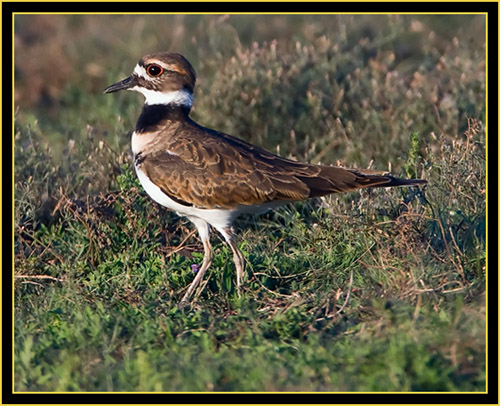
(382, 290)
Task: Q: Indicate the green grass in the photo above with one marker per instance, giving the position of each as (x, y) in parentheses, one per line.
(382, 290)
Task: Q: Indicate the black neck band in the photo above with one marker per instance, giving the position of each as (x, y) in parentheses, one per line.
(152, 115)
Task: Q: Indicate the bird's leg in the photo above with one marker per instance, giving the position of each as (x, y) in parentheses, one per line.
(239, 260)
(203, 230)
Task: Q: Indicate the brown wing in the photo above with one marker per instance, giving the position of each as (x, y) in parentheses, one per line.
(216, 170)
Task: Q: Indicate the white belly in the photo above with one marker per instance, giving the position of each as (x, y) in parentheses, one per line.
(218, 218)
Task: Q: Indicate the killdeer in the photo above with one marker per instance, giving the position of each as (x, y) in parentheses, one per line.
(211, 177)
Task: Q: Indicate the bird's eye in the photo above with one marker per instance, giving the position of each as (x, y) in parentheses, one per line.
(154, 70)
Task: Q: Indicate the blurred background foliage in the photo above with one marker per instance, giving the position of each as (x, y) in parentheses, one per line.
(333, 85)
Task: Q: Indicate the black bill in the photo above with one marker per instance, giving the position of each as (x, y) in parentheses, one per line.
(128, 83)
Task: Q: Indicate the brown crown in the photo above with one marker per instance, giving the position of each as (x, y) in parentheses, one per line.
(178, 72)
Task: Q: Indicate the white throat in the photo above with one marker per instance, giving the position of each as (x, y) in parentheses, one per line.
(178, 97)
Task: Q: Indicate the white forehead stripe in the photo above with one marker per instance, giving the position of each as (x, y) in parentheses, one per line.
(178, 97)
(140, 71)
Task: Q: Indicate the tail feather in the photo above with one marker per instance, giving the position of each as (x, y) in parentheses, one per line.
(386, 179)
(335, 180)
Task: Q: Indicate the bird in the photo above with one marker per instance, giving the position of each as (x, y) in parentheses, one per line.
(211, 177)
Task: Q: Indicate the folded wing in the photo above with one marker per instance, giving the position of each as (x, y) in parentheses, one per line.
(221, 171)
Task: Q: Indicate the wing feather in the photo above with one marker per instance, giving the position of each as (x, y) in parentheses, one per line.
(216, 170)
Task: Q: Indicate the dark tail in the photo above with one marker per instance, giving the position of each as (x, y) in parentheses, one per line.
(333, 179)
(381, 179)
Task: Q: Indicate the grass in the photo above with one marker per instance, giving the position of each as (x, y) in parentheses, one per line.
(382, 290)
